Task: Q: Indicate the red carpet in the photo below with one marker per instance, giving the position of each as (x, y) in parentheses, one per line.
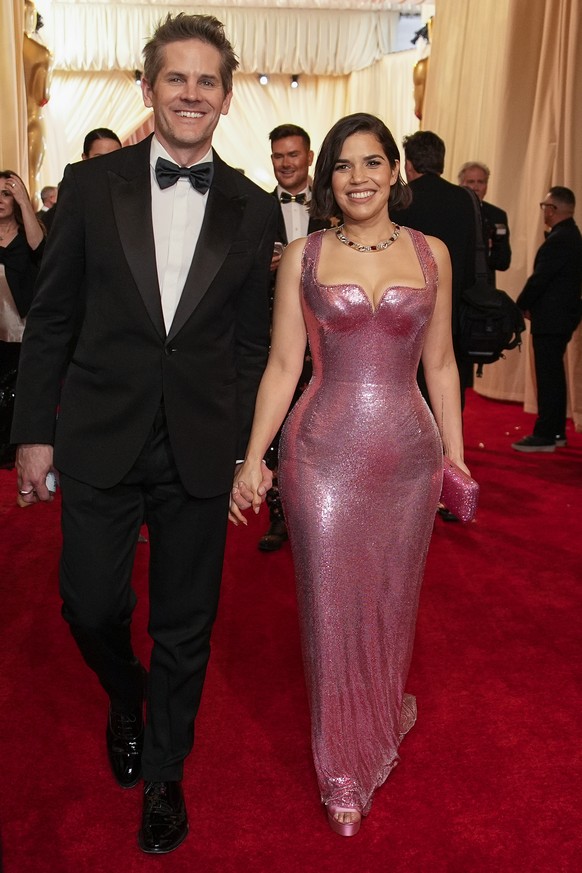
(490, 776)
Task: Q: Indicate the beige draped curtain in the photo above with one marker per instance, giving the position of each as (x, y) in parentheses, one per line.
(503, 87)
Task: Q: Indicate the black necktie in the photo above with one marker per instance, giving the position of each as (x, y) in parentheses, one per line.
(292, 198)
(200, 175)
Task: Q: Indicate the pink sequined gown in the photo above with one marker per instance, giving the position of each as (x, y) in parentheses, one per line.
(360, 471)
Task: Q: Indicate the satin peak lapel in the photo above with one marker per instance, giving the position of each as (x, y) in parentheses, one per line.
(222, 219)
(133, 215)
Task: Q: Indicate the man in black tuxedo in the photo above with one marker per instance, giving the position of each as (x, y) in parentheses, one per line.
(292, 157)
(168, 249)
(551, 300)
(475, 175)
(444, 210)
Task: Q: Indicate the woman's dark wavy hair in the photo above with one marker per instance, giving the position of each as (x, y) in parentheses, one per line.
(6, 174)
(323, 203)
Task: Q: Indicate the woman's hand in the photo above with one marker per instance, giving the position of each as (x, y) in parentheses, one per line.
(19, 192)
(250, 486)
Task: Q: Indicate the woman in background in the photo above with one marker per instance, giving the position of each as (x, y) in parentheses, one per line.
(99, 142)
(361, 454)
(21, 247)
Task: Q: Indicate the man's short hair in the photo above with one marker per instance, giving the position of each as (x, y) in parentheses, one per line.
(471, 165)
(285, 130)
(425, 151)
(176, 28)
(47, 191)
(563, 195)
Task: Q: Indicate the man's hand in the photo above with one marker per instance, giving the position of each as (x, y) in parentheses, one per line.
(33, 462)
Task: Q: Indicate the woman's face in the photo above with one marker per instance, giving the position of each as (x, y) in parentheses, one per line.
(101, 147)
(362, 177)
(6, 200)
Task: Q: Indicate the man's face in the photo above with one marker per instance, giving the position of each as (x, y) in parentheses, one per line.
(411, 173)
(554, 211)
(188, 99)
(291, 162)
(51, 199)
(476, 180)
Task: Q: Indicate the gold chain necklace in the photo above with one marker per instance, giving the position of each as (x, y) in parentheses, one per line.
(360, 247)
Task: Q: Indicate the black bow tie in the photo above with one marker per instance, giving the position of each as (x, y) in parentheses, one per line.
(292, 198)
(200, 175)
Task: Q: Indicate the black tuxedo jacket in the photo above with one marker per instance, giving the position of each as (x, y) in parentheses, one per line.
(496, 233)
(444, 210)
(100, 256)
(314, 223)
(552, 293)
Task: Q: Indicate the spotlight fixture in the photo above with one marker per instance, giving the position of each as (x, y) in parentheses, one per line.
(137, 74)
(263, 79)
(295, 81)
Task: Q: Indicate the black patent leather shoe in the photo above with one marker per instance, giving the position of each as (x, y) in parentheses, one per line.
(124, 738)
(275, 536)
(164, 822)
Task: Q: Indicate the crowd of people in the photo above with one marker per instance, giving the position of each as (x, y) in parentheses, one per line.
(210, 346)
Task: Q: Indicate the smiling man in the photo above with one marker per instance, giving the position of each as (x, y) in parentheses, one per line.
(163, 252)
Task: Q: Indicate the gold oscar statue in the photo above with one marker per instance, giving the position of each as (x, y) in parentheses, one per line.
(37, 72)
(420, 71)
(419, 79)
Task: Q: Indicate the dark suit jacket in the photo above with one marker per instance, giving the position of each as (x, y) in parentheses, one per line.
(206, 371)
(552, 293)
(314, 223)
(496, 230)
(444, 210)
(47, 218)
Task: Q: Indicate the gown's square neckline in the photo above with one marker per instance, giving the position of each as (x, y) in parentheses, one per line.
(373, 309)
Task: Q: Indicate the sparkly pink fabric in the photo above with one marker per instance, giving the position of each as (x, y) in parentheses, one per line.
(360, 471)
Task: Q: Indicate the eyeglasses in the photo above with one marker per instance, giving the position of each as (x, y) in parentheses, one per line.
(548, 206)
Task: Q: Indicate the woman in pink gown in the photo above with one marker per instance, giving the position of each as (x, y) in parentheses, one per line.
(361, 455)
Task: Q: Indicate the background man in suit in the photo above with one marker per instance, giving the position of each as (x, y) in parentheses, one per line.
(475, 175)
(551, 300)
(292, 157)
(168, 248)
(444, 210)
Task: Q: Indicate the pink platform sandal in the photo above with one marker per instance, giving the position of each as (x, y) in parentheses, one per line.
(344, 829)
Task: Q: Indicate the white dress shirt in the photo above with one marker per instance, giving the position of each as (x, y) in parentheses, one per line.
(177, 215)
(296, 216)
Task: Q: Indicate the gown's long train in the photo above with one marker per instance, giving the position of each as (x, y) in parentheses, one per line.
(360, 474)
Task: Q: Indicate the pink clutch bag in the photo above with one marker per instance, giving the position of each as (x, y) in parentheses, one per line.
(460, 492)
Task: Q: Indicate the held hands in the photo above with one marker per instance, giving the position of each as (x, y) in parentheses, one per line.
(251, 483)
(33, 462)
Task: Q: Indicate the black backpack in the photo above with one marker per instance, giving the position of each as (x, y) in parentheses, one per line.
(490, 322)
